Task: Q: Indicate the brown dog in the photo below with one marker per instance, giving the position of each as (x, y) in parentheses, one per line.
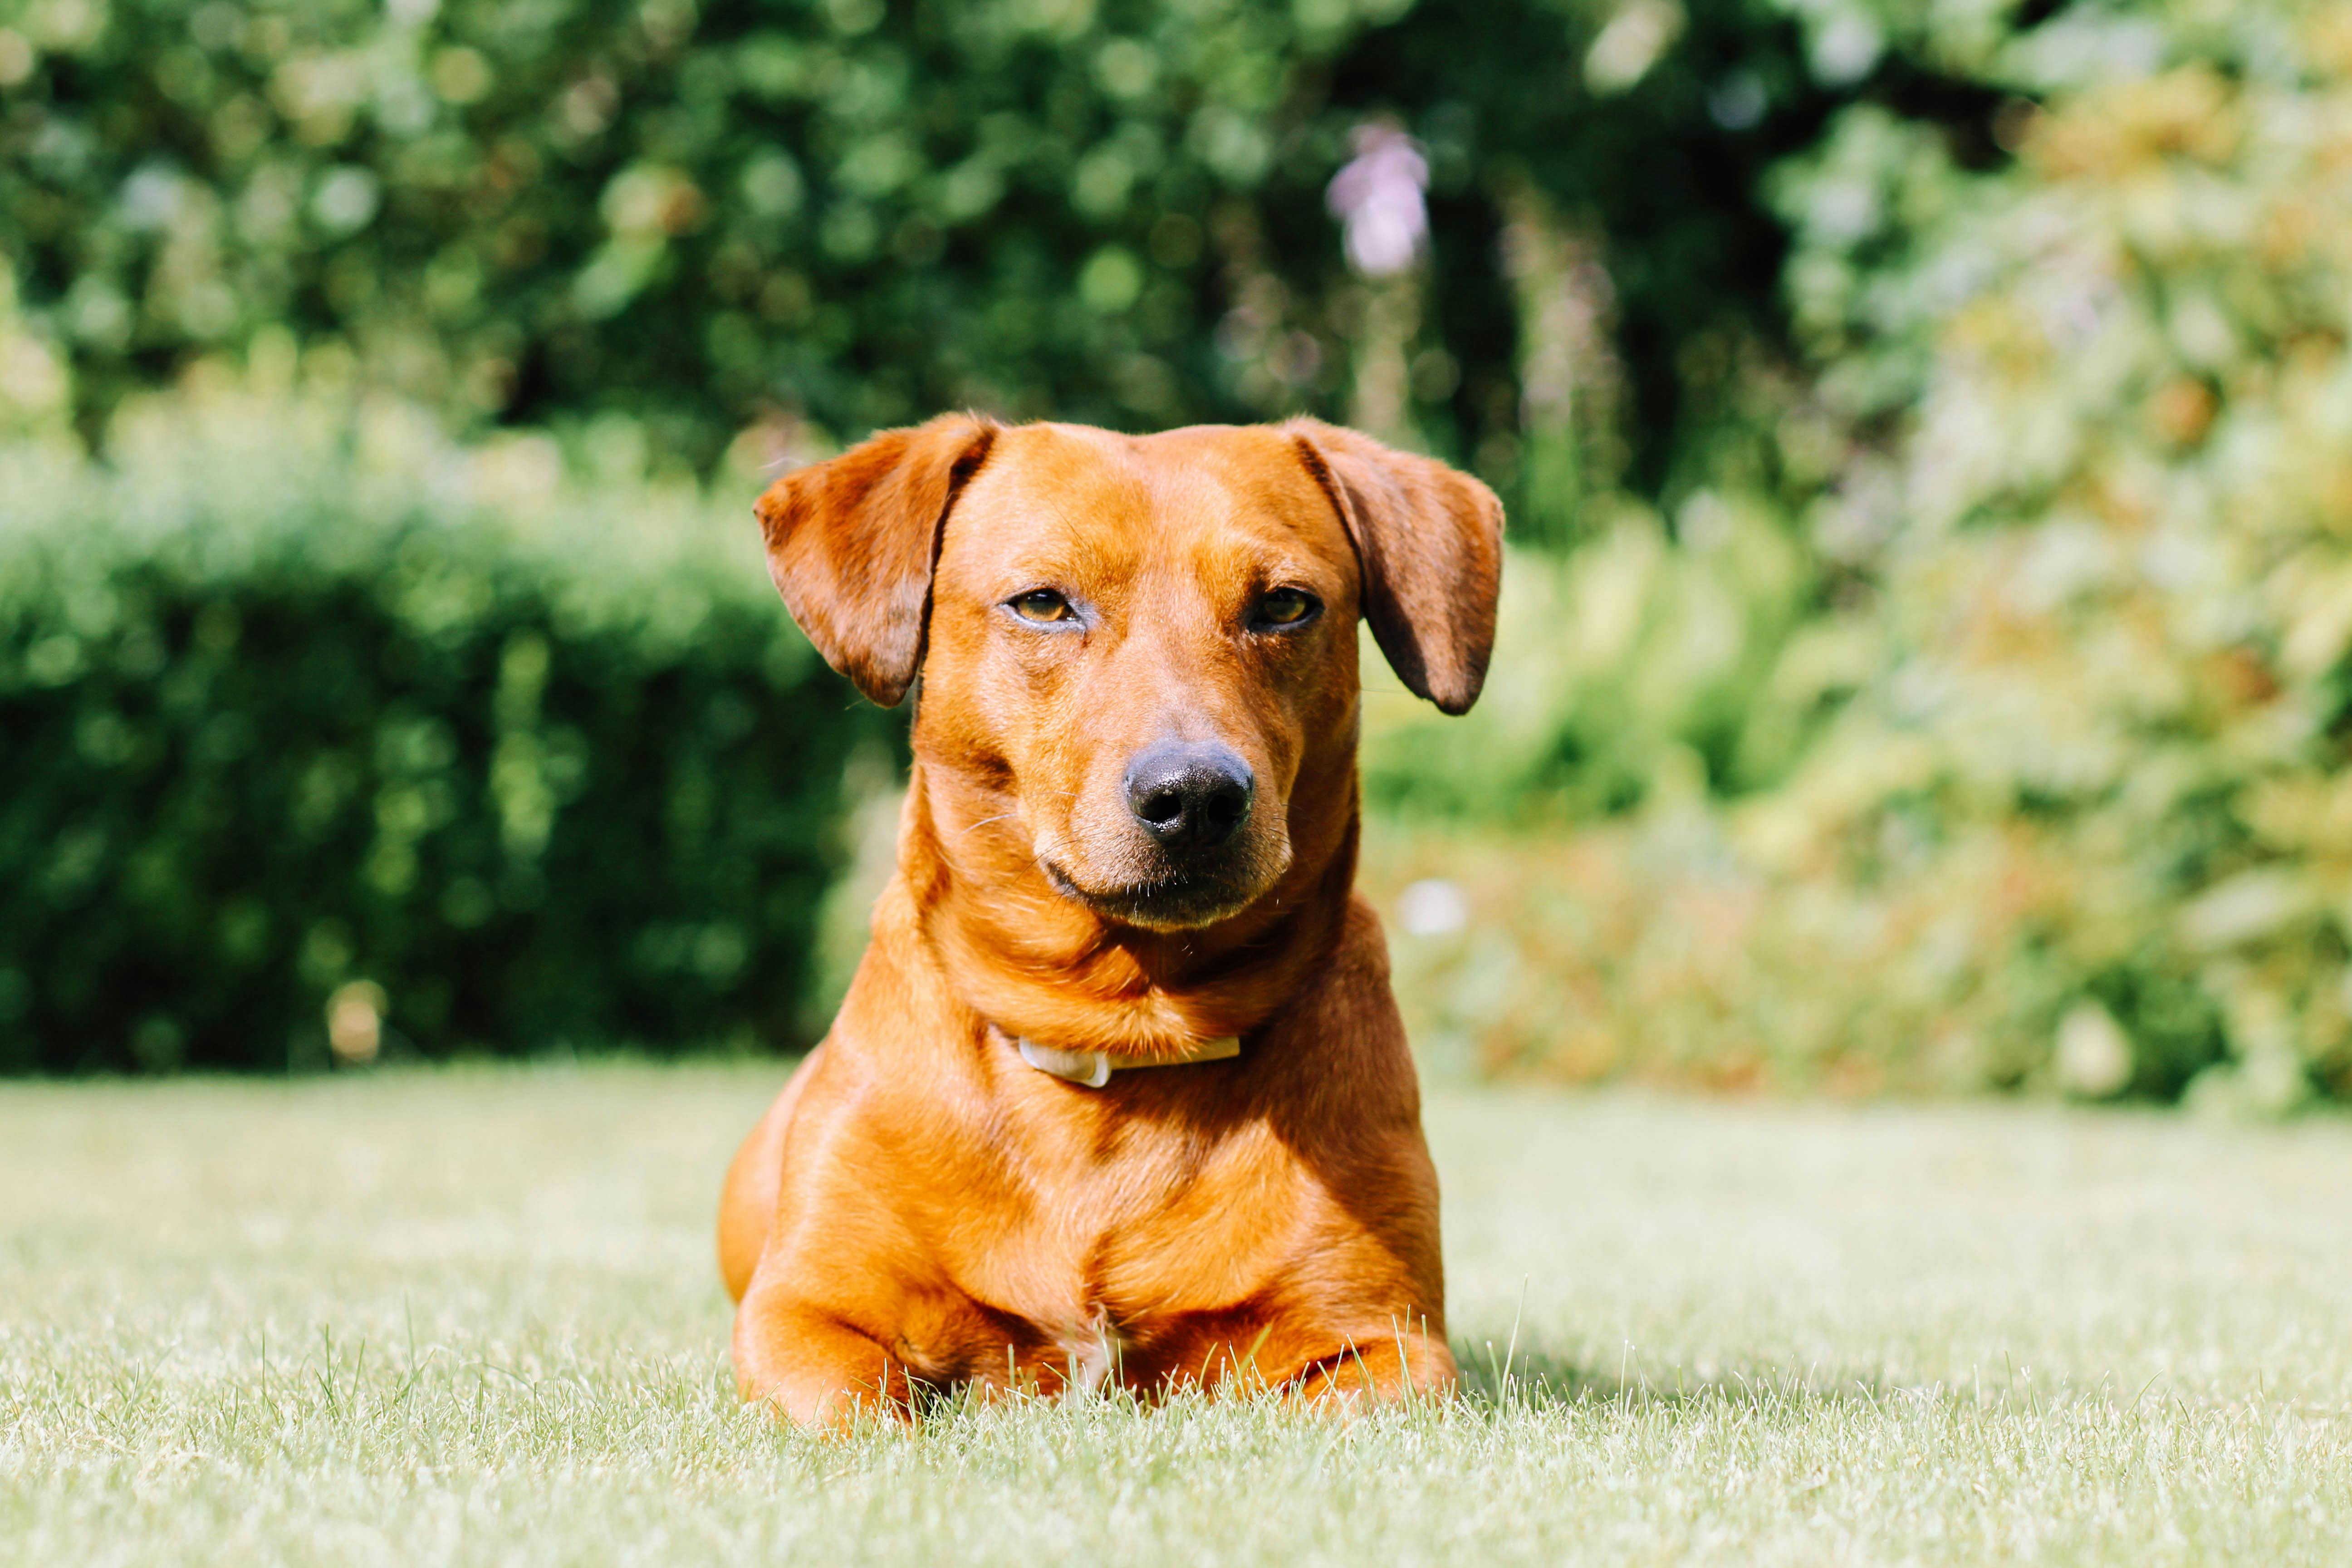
(1129, 842)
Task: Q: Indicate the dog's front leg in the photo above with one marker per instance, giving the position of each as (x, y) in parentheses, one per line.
(810, 1365)
(1409, 1361)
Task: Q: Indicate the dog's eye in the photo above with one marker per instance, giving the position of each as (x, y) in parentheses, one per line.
(1041, 604)
(1286, 607)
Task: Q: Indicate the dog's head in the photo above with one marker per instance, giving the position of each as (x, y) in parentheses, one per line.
(1142, 649)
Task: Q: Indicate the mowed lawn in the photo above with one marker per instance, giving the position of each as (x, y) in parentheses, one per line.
(472, 1316)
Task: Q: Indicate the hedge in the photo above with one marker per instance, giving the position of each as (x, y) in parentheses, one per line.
(2056, 791)
(304, 702)
(853, 214)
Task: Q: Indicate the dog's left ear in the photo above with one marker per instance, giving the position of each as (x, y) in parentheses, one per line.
(1429, 540)
(851, 543)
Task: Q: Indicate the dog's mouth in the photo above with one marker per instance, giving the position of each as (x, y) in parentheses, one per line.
(1181, 901)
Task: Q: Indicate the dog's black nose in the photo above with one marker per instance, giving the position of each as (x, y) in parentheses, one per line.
(1189, 795)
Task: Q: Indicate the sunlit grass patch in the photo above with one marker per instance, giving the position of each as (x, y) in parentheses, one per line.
(471, 1316)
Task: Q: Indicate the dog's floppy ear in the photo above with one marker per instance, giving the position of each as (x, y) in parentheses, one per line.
(851, 542)
(1429, 540)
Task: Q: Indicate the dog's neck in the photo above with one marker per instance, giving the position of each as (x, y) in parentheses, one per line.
(1042, 966)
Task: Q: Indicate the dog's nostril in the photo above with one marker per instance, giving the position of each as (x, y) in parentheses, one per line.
(1224, 805)
(1160, 806)
(1189, 795)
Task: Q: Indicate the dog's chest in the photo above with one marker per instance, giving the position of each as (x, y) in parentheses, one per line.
(1089, 1350)
(1105, 1241)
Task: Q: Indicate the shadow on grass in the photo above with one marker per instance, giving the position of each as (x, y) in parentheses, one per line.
(1530, 1376)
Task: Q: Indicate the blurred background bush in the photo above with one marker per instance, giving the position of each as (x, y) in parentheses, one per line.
(327, 737)
(1927, 431)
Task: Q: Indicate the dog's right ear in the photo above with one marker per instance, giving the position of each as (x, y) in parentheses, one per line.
(851, 542)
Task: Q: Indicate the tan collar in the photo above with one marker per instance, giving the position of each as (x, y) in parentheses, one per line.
(1092, 1069)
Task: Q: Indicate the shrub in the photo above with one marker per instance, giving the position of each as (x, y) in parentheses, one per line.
(302, 701)
(1631, 667)
(720, 217)
(2075, 815)
(2110, 537)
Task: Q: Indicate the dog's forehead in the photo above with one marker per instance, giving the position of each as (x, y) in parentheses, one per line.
(1055, 488)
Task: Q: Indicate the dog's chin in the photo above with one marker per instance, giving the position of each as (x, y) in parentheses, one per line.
(1177, 901)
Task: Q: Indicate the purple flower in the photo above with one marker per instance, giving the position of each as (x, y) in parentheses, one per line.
(1377, 198)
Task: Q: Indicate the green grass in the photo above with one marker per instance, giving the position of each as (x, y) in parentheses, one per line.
(472, 1317)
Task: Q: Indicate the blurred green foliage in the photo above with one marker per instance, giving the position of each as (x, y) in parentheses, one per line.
(791, 223)
(299, 697)
(2070, 808)
(1927, 654)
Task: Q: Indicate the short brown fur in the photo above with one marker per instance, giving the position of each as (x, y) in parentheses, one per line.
(920, 1205)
